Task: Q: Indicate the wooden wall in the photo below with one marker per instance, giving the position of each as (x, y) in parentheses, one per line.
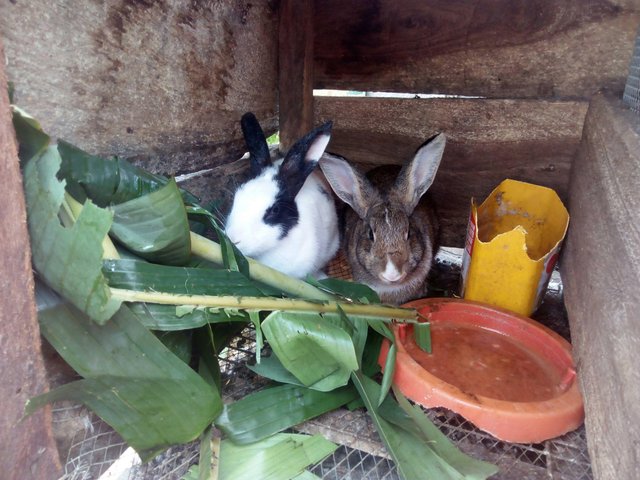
(601, 272)
(487, 141)
(27, 448)
(491, 48)
(164, 82)
(555, 53)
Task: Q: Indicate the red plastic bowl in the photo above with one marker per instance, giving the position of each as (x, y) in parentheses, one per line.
(507, 374)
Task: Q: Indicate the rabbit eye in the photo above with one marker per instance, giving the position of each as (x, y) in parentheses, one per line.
(371, 236)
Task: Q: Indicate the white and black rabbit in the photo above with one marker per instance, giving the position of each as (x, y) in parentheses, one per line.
(284, 216)
(390, 235)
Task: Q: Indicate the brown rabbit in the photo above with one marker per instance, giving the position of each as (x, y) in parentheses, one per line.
(389, 236)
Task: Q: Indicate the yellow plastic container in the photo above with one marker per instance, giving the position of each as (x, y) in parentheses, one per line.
(513, 241)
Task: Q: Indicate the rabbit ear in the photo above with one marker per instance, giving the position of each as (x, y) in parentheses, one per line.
(349, 184)
(417, 176)
(256, 143)
(302, 158)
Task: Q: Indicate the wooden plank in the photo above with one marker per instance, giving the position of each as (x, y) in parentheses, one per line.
(601, 273)
(163, 82)
(488, 141)
(27, 448)
(492, 48)
(295, 80)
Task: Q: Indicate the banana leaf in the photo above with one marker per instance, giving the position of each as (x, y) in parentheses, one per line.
(109, 181)
(315, 348)
(69, 259)
(280, 457)
(261, 414)
(144, 276)
(411, 449)
(131, 380)
(155, 226)
(356, 292)
(164, 317)
(179, 343)
(31, 139)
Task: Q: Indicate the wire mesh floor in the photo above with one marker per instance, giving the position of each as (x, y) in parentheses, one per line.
(361, 454)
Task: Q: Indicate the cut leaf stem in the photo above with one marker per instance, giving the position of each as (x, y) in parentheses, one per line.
(382, 312)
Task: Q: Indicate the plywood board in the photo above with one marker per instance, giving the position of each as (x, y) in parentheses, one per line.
(164, 82)
(492, 48)
(488, 141)
(601, 273)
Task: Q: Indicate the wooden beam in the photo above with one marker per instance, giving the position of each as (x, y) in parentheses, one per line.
(491, 48)
(27, 448)
(295, 80)
(487, 141)
(601, 274)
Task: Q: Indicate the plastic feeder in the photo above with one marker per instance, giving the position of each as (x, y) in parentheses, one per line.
(513, 241)
(505, 373)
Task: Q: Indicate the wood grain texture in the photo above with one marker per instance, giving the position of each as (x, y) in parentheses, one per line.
(164, 82)
(492, 48)
(487, 141)
(295, 80)
(27, 448)
(601, 273)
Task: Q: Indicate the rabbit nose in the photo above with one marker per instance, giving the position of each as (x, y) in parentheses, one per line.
(391, 273)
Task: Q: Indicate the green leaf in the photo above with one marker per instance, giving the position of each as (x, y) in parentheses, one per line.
(422, 335)
(471, 468)
(370, 366)
(69, 259)
(132, 381)
(205, 457)
(32, 141)
(280, 457)
(354, 291)
(155, 226)
(261, 414)
(164, 317)
(109, 181)
(272, 368)
(232, 258)
(179, 343)
(144, 276)
(389, 368)
(413, 456)
(316, 350)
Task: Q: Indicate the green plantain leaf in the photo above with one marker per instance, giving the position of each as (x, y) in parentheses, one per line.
(389, 368)
(316, 349)
(155, 226)
(354, 291)
(280, 457)
(132, 381)
(109, 181)
(418, 451)
(69, 259)
(471, 468)
(143, 276)
(164, 317)
(179, 343)
(272, 368)
(31, 139)
(274, 409)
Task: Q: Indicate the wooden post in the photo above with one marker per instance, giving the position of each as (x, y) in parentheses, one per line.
(27, 449)
(601, 273)
(295, 81)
